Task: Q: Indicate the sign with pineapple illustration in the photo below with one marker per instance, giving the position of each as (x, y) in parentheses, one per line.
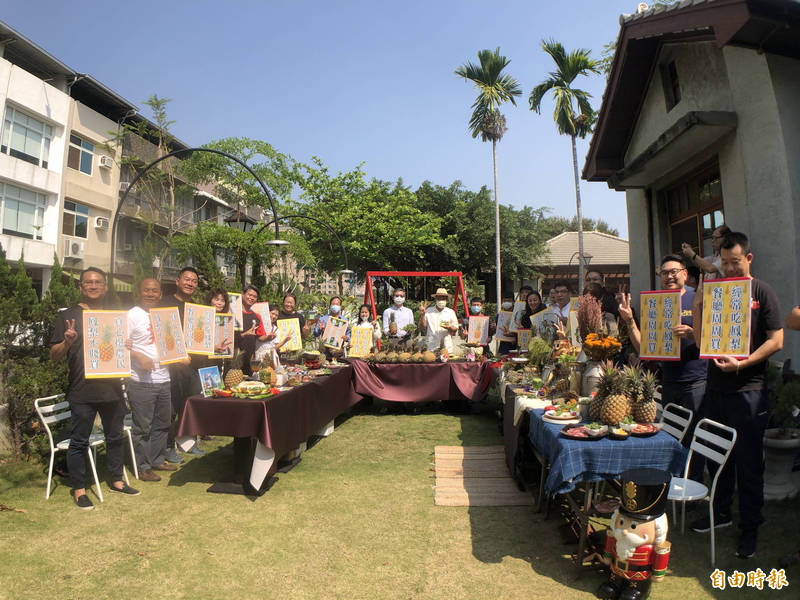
(334, 332)
(236, 308)
(168, 335)
(290, 328)
(223, 335)
(198, 328)
(726, 318)
(360, 341)
(262, 310)
(478, 330)
(104, 351)
(661, 312)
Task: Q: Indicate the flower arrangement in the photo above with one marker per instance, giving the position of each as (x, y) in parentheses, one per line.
(598, 346)
(590, 315)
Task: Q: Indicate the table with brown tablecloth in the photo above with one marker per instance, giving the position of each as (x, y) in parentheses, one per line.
(280, 423)
(422, 382)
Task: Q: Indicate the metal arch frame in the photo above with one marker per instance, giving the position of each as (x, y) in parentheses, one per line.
(139, 175)
(298, 216)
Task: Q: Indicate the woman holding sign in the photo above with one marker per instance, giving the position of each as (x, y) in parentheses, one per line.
(363, 322)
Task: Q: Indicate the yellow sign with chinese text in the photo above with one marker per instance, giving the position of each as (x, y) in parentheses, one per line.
(661, 313)
(726, 318)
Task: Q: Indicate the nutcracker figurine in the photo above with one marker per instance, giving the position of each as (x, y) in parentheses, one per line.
(637, 550)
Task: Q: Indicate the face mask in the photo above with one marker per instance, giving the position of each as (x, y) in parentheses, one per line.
(441, 303)
(365, 319)
(507, 305)
(335, 308)
(399, 300)
(475, 309)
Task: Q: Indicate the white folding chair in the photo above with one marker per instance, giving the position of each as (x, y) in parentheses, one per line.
(676, 420)
(127, 425)
(54, 409)
(715, 442)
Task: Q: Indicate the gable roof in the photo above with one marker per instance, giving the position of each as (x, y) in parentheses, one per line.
(604, 249)
(771, 26)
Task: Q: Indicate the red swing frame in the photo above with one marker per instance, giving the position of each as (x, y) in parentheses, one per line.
(369, 295)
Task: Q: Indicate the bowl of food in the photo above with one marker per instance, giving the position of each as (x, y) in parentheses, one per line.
(618, 433)
(596, 429)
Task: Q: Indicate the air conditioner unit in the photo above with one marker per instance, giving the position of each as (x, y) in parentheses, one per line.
(105, 161)
(124, 185)
(101, 223)
(74, 249)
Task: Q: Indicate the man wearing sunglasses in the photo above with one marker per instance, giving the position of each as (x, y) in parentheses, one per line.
(682, 382)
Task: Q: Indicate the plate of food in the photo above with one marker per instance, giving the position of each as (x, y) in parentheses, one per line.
(642, 429)
(618, 433)
(561, 414)
(519, 359)
(590, 432)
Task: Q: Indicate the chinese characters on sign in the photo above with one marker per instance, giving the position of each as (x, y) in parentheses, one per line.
(504, 320)
(726, 318)
(361, 341)
(523, 337)
(223, 335)
(776, 579)
(262, 310)
(104, 351)
(516, 316)
(168, 335)
(478, 331)
(661, 312)
(290, 328)
(198, 328)
(236, 308)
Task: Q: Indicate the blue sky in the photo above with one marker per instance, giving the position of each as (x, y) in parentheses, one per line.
(348, 81)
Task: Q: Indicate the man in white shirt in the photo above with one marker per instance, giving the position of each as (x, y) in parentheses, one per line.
(397, 316)
(561, 307)
(439, 322)
(148, 388)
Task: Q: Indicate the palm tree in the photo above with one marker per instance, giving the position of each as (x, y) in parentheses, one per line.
(494, 88)
(568, 121)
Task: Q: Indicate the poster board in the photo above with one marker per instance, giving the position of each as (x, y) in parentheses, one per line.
(335, 330)
(516, 315)
(104, 351)
(523, 337)
(573, 329)
(290, 329)
(726, 318)
(478, 330)
(223, 330)
(360, 341)
(210, 379)
(661, 312)
(504, 320)
(235, 300)
(168, 335)
(198, 328)
(262, 310)
(573, 303)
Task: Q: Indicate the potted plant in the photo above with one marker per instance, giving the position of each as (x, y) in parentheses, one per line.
(782, 440)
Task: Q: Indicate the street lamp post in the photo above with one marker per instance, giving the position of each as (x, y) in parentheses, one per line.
(583, 261)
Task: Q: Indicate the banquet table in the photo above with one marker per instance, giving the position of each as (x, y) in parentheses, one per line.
(422, 382)
(280, 423)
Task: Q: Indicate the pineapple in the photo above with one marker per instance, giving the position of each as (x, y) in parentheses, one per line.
(632, 376)
(616, 405)
(645, 410)
(392, 357)
(428, 356)
(199, 331)
(234, 376)
(380, 357)
(405, 357)
(608, 376)
(169, 338)
(392, 324)
(416, 357)
(106, 348)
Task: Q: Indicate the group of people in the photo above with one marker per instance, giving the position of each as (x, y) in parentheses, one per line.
(156, 393)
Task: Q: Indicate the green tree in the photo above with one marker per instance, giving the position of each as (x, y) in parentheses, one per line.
(569, 121)
(494, 88)
(554, 226)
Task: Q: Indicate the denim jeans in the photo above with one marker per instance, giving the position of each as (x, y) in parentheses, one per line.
(151, 409)
(112, 416)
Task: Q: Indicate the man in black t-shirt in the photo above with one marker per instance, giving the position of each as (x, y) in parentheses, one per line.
(736, 396)
(87, 398)
(184, 379)
(252, 329)
(288, 312)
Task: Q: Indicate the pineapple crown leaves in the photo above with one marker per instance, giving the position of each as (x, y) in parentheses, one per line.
(238, 360)
(632, 377)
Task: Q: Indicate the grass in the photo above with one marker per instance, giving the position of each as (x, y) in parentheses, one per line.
(354, 519)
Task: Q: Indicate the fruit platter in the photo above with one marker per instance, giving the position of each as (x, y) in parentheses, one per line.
(251, 390)
(642, 429)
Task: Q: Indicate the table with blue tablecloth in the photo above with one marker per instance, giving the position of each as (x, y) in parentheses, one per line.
(573, 461)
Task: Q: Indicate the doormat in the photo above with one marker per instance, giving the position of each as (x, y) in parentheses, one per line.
(475, 476)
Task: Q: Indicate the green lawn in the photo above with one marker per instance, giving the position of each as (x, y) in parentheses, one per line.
(355, 519)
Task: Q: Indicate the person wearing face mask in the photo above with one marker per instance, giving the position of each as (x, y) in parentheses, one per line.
(397, 316)
(476, 310)
(439, 322)
(334, 310)
(363, 320)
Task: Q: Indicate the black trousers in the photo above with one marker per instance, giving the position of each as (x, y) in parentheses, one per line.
(112, 415)
(747, 413)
